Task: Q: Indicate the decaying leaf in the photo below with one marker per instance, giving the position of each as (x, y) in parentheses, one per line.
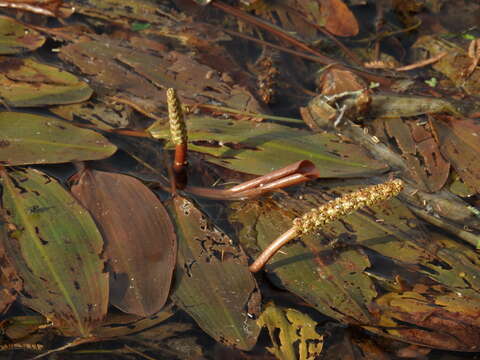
(292, 332)
(35, 139)
(459, 141)
(339, 20)
(434, 317)
(101, 114)
(139, 76)
(16, 38)
(140, 243)
(212, 281)
(30, 83)
(55, 248)
(455, 65)
(260, 148)
(425, 163)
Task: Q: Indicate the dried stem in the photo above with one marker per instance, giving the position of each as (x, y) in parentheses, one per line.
(178, 133)
(423, 63)
(331, 211)
(292, 174)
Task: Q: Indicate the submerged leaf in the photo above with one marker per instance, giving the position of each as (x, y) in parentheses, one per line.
(140, 243)
(34, 139)
(459, 141)
(17, 38)
(260, 148)
(26, 82)
(55, 247)
(212, 281)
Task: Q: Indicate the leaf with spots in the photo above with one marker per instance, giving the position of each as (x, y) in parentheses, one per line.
(34, 139)
(140, 242)
(55, 248)
(332, 280)
(26, 83)
(16, 38)
(258, 148)
(212, 281)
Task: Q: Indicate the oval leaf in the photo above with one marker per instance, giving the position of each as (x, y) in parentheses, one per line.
(212, 281)
(26, 82)
(55, 248)
(260, 148)
(140, 242)
(34, 139)
(16, 38)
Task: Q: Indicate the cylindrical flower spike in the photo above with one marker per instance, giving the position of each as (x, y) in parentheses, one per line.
(331, 211)
(178, 134)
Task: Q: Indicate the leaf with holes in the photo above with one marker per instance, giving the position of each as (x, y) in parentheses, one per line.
(55, 247)
(212, 281)
(292, 332)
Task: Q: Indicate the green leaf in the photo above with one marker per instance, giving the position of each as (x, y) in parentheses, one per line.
(16, 38)
(138, 26)
(34, 139)
(212, 281)
(260, 148)
(26, 83)
(330, 279)
(432, 82)
(55, 247)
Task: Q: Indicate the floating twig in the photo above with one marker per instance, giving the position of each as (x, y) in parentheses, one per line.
(331, 211)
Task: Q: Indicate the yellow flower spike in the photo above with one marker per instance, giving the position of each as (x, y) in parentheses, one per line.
(331, 211)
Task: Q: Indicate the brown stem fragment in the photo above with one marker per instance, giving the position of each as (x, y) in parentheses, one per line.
(331, 211)
(178, 133)
(292, 174)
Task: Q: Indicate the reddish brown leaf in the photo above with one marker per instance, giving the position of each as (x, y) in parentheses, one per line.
(140, 243)
(339, 20)
(425, 162)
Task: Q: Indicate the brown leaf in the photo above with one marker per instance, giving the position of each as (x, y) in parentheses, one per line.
(339, 20)
(140, 243)
(425, 163)
(459, 142)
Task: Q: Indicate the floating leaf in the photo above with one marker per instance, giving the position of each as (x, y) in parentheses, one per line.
(55, 248)
(34, 139)
(140, 243)
(17, 38)
(330, 279)
(331, 269)
(292, 332)
(212, 281)
(260, 148)
(120, 324)
(26, 82)
(434, 317)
